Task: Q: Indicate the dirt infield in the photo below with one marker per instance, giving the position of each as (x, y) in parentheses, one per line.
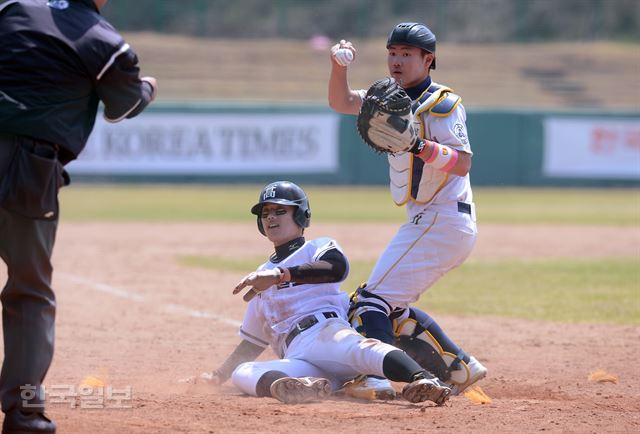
(130, 315)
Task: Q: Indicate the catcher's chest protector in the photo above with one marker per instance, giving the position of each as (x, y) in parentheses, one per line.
(411, 179)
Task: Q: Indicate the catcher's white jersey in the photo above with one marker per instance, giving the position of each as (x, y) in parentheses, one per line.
(271, 315)
(416, 184)
(440, 231)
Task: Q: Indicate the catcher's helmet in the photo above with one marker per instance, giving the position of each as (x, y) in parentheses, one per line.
(415, 35)
(286, 193)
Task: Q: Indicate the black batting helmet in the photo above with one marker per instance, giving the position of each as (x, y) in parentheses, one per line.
(415, 35)
(285, 193)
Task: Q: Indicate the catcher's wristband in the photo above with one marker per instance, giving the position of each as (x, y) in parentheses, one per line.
(442, 157)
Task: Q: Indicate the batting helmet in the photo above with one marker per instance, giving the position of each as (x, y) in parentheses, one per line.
(285, 193)
(415, 35)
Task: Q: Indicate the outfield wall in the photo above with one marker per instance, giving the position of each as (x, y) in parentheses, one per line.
(313, 145)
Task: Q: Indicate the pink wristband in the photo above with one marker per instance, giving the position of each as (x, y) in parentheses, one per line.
(452, 161)
(442, 157)
(434, 152)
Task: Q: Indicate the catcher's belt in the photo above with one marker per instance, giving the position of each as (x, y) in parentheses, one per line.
(464, 207)
(306, 323)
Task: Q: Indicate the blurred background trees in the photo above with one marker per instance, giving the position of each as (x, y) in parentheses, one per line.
(451, 20)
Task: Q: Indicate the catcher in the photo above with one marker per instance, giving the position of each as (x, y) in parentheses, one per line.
(421, 125)
(296, 306)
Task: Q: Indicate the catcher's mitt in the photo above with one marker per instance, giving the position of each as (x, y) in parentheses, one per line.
(386, 122)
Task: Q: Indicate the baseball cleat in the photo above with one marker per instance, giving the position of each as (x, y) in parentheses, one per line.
(476, 373)
(292, 390)
(425, 389)
(371, 388)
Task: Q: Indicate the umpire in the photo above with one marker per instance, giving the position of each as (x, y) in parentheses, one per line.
(58, 60)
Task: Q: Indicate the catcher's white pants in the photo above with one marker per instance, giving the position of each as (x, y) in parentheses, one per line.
(330, 349)
(420, 253)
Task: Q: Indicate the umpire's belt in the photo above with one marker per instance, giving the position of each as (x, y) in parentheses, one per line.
(306, 323)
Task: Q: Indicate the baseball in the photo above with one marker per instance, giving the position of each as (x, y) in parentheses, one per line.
(344, 56)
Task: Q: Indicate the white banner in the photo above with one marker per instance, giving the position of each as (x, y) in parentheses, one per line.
(592, 148)
(212, 144)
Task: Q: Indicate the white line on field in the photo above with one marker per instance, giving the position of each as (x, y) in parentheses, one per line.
(102, 287)
(128, 295)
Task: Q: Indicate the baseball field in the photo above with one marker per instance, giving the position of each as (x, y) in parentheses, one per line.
(144, 274)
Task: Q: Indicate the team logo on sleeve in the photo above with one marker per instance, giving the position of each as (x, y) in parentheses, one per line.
(58, 4)
(461, 133)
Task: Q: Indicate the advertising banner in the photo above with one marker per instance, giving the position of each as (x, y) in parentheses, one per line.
(212, 144)
(592, 148)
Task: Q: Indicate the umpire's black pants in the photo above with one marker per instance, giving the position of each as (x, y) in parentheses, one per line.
(28, 304)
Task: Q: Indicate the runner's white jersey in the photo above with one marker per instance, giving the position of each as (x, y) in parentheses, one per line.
(271, 315)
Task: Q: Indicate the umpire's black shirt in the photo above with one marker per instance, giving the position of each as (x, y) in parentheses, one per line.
(58, 59)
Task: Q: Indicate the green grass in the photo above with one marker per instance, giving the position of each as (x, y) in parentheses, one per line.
(219, 263)
(559, 205)
(224, 203)
(156, 203)
(564, 290)
(559, 289)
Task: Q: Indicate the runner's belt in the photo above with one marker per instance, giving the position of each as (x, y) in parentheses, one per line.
(306, 323)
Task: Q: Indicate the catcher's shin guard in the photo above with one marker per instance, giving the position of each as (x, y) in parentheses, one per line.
(413, 336)
(369, 315)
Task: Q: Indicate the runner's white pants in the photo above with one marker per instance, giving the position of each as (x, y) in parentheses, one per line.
(330, 349)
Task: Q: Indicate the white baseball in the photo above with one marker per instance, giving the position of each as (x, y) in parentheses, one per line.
(344, 56)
